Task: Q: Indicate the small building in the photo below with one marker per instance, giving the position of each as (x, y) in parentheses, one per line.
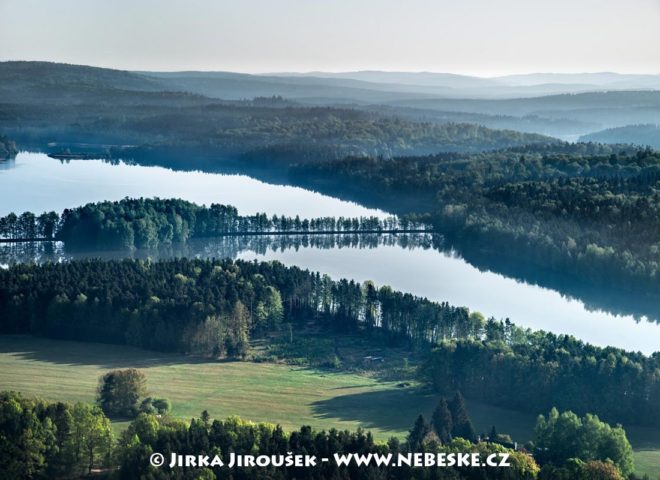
(373, 359)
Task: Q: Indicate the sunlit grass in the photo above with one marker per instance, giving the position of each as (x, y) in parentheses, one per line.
(276, 393)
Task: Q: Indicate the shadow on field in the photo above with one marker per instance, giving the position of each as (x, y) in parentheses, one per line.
(397, 409)
(394, 409)
(104, 355)
(643, 438)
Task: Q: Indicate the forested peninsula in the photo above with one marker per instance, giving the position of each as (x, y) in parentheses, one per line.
(214, 308)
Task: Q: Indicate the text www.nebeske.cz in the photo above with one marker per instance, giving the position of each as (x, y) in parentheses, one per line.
(414, 460)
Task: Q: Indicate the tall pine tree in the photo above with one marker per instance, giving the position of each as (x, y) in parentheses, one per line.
(442, 421)
(461, 423)
(419, 432)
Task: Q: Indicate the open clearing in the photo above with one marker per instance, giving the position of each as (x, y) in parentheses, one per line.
(275, 393)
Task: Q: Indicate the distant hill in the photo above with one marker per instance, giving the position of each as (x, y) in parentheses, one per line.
(345, 87)
(45, 103)
(543, 108)
(589, 112)
(423, 97)
(509, 86)
(429, 79)
(33, 77)
(241, 86)
(599, 80)
(556, 127)
(645, 135)
(548, 103)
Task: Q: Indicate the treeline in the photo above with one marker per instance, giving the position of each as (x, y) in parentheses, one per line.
(40, 439)
(579, 211)
(29, 226)
(58, 440)
(44, 439)
(215, 307)
(548, 370)
(150, 223)
(208, 307)
(210, 437)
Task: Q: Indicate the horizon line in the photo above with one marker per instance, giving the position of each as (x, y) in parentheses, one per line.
(344, 71)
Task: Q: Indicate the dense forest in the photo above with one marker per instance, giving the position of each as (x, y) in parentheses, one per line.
(40, 439)
(214, 308)
(150, 223)
(59, 440)
(586, 211)
(170, 305)
(547, 371)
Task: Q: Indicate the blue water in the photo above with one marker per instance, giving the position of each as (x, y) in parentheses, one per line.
(37, 183)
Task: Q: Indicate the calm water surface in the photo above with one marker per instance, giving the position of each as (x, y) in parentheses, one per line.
(37, 183)
(445, 277)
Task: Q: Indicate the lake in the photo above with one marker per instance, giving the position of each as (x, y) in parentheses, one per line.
(37, 183)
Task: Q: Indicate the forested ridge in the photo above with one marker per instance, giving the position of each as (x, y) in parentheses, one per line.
(644, 134)
(41, 103)
(214, 308)
(585, 212)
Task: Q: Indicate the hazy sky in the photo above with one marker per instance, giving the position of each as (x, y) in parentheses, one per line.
(482, 37)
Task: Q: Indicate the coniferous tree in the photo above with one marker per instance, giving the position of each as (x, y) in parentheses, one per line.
(418, 433)
(206, 417)
(442, 421)
(461, 423)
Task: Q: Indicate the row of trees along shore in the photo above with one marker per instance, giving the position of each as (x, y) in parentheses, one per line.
(149, 223)
(214, 308)
(45, 439)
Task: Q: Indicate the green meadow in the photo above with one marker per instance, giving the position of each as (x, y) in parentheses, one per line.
(269, 392)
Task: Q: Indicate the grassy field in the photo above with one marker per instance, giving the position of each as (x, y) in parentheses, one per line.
(291, 396)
